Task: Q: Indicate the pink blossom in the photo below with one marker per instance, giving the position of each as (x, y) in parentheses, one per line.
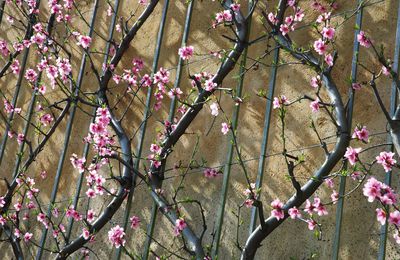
(175, 92)
(320, 47)
(3, 48)
(385, 71)
(311, 224)
(84, 41)
(28, 236)
(91, 193)
(235, 7)
(135, 222)
(329, 60)
(186, 52)
(356, 86)
(210, 85)
(15, 67)
(386, 159)
(334, 197)
(214, 109)
(299, 15)
(361, 134)
(351, 154)
(31, 75)
(272, 18)
(381, 216)
(117, 236)
(90, 216)
(284, 28)
(85, 233)
(363, 39)
(277, 211)
(394, 218)
(328, 32)
(372, 189)
(210, 173)
(2, 202)
(225, 128)
(319, 207)
(180, 225)
(294, 213)
(315, 105)
(20, 138)
(279, 101)
(249, 203)
(46, 119)
(316, 81)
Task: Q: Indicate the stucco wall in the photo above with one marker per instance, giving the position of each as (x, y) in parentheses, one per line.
(360, 232)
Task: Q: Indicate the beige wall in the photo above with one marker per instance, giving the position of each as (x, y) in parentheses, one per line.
(360, 233)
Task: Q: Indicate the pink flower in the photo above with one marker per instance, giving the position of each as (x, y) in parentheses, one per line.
(385, 71)
(210, 85)
(319, 207)
(334, 197)
(91, 193)
(225, 128)
(311, 224)
(135, 222)
(279, 101)
(315, 105)
(361, 134)
(117, 236)
(294, 213)
(320, 47)
(214, 109)
(381, 216)
(386, 159)
(356, 86)
(210, 173)
(394, 218)
(272, 18)
(284, 29)
(85, 233)
(329, 60)
(84, 41)
(20, 138)
(364, 40)
(316, 81)
(180, 225)
(175, 92)
(186, 52)
(328, 32)
(372, 189)
(351, 154)
(31, 75)
(277, 211)
(46, 119)
(2, 202)
(235, 7)
(28, 236)
(90, 215)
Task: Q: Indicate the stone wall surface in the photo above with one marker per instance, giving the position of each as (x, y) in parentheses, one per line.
(292, 240)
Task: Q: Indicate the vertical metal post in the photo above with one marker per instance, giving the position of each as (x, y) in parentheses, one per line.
(231, 148)
(342, 184)
(393, 105)
(67, 135)
(185, 36)
(87, 145)
(264, 144)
